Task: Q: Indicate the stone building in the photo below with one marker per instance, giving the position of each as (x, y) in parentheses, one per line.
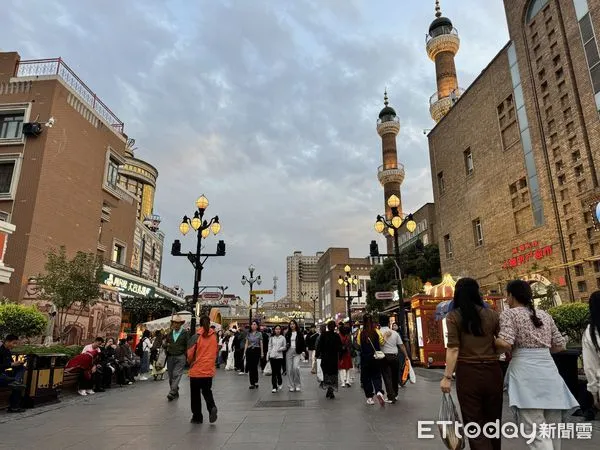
(63, 163)
(302, 277)
(424, 217)
(513, 159)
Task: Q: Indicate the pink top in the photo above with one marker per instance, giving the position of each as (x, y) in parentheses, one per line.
(518, 330)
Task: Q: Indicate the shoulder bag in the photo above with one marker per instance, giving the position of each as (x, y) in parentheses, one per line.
(378, 353)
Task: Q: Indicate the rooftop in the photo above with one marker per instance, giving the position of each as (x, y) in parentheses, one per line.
(56, 67)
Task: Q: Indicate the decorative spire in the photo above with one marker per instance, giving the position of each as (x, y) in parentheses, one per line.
(438, 10)
(385, 98)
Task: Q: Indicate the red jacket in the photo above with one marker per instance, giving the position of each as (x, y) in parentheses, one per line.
(202, 354)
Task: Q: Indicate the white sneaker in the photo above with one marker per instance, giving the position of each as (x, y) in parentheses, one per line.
(90, 392)
(279, 388)
(82, 392)
(370, 401)
(298, 389)
(292, 389)
(241, 373)
(143, 379)
(274, 391)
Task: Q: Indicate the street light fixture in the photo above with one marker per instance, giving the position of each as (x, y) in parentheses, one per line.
(348, 280)
(393, 227)
(314, 298)
(202, 228)
(251, 280)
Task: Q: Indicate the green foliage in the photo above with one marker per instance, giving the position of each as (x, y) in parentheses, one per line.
(545, 296)
(571, 319)
(412, 285)
(20, 320)
(71, 281)
(425, 265)
(69, 350)
(143, 309)
(383, 278)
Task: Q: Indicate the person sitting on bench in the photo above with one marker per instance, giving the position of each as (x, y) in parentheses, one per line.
(11, 373)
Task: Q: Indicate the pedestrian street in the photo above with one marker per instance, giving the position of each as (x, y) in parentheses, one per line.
(140, 417)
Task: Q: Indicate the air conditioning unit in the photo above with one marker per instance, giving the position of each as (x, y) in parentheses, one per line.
(32, 129)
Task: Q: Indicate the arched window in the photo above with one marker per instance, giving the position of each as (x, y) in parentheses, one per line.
(535, 7)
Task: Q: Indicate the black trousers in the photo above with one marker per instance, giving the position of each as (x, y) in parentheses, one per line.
(284, 363)
(252, 361)
(479, 388)
(238, 356)
(370, 375)
(201, 386)
(16, 394)
(276, 365)
(390, 370)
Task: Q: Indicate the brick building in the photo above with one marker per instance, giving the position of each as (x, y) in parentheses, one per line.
(330, 266)
(513, 157)
(62, 154)
(424, 217)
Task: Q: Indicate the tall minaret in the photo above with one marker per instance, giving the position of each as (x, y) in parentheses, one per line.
(442, 46)
(391, 173)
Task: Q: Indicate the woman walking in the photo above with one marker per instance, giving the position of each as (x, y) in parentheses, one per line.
(345, 364)
(254, 352)
(370, 341)
(277, 346)
(328, 351)
(591, 354)
(295, 347)
(201, 357)
(536, 391)
(145, 356)
(472, 329)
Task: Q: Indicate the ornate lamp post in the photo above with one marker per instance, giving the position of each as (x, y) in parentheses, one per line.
(393, 225)
(251, 280)
(348, 280)
(203, 229)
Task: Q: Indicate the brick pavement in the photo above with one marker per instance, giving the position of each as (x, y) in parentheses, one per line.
(139, 417)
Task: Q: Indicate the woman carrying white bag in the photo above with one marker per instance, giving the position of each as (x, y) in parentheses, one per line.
(230, 354)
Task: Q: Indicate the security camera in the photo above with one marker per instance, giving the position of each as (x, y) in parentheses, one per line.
(50, 122)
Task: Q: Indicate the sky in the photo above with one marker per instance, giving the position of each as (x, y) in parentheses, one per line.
(267, 107)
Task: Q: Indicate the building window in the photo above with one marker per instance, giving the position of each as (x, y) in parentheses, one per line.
(468, 155)
(7, 169)
(590, 45)
(448, 246)
(579, 270)
(441, 184)
(534, 8)
(581, 286)
(11, 125)
(112, 173)
(4, 216)
(596, 266)
(478, 232)
(118, 254)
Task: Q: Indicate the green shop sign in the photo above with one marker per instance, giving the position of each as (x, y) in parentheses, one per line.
(127, 286)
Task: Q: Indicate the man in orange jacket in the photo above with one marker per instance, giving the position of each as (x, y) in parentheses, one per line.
(201, 356)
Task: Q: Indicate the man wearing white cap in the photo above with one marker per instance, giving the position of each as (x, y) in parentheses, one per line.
(176, 344)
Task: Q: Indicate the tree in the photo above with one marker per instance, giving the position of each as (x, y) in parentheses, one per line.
(71, 284)
(571, 319)
(383, 278)
(21, 320)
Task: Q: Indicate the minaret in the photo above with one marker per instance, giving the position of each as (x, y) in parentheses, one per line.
(391, 173)
(442, 46)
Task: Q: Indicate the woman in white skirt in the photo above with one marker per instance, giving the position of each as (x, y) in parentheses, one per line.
(536, 392)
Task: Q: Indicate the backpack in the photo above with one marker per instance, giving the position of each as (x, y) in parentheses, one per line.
(139, 348)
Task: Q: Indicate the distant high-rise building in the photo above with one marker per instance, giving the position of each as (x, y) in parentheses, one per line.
(302, 277)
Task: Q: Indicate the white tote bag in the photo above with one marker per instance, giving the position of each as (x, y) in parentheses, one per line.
(230, 361)
(319, 371)
(268, 370)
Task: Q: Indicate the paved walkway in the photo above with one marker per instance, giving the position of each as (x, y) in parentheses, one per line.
(139, 417)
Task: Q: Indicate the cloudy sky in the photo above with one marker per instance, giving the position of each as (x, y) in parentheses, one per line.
(268, 107)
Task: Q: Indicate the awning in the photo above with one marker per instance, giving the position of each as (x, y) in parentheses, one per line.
(165, 322)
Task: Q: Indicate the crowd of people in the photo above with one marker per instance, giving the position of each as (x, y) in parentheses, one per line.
(537, 393)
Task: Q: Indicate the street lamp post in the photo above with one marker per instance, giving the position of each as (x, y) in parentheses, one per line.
(348, 280)
(314, 299)
(393, 225)
(251, 280)
(202, 228)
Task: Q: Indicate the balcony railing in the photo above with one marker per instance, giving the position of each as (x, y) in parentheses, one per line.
(397, 166)
(393, 119)
(57, 67)
(436, 96)
(440, 32)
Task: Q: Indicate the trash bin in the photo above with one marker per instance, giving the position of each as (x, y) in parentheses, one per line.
(566, 362)
(43, 378)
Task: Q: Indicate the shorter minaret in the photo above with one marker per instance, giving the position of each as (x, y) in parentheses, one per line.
(442, 46)
(391, 173)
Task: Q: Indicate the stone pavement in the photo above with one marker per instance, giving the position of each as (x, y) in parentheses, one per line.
(139, 417)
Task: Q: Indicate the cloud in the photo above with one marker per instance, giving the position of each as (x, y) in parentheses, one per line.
(267, 107)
